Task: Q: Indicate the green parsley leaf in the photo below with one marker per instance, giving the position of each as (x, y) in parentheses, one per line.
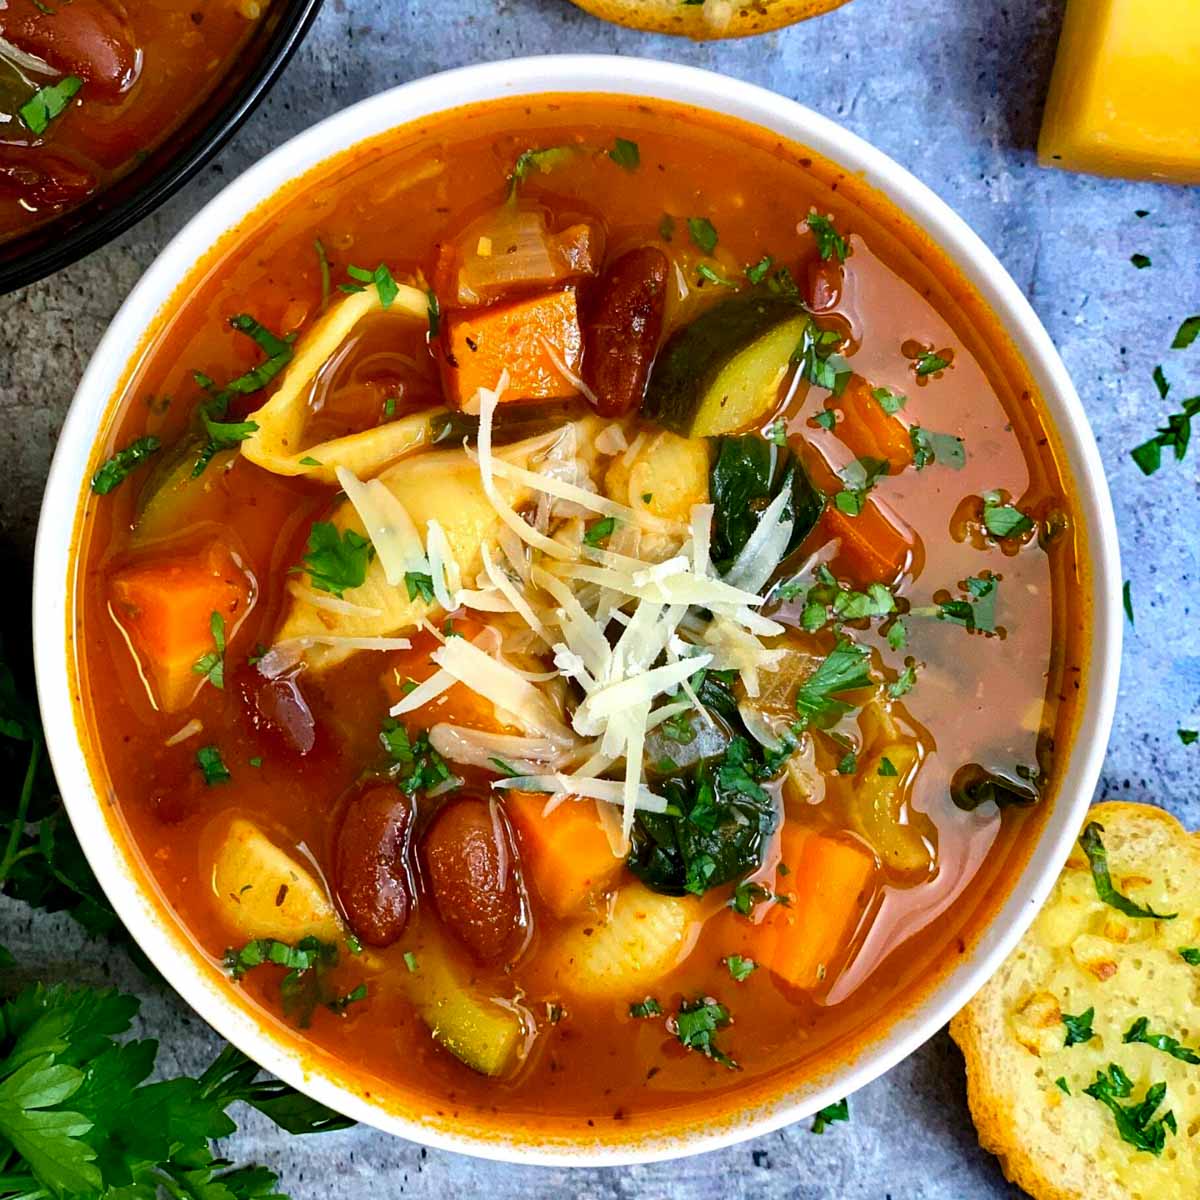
(891, 402)
(212, 766)
(887, 768)
(1187, 333)
(505, 768)
(897, 634)
(945, 449)
(419, 584)
(434, 312)
(707, 274)
(758, 272)
(339, 1004)
(646, 1008)
(543, 161)
(817, 360)
(115, 470)
(1079, 1029)
(904, 683)
(859, 478)
(1160, 382)
(309, 461)
(848, 764)
(1062, 1085)
(1141, 261)
(47, 103)
(978, 613)
(1139, 1032)
(416, 765)
(1134, 1122)
(777, 432)
(1190, 955)
(740, 968)
(212, 664)
(381, 277)
(826, 418)
(1188, 736)
(929, 363)
(747, 895)
(1175, 435)
(840, 1111)
(1003, 520)
(626, 154)
(703, 233)
(1127, 600)
(696, 1024)
(337, 559)
(829, 241)
(1093, 847)
(599, 531)
(847, 668)
(410, 961)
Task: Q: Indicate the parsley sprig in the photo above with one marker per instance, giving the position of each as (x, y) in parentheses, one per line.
(1135, 1122)
(1093, 846)
(337, 559)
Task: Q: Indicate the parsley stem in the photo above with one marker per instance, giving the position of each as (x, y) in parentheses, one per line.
(17, 828)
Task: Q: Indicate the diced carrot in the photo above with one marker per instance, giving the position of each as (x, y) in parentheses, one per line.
(523, 338)
(877, 546)
(869, 431)
(824, 893)
(567, 853)
(165, 606)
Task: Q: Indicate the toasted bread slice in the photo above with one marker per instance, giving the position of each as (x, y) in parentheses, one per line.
(1082, 953)
(710, 18)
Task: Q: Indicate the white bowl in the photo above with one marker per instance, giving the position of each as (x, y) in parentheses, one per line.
(167, 946)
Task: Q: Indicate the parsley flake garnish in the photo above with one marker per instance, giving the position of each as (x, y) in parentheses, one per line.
(829, 241)
(740, 968)
(1003, 520)
(758, 272)
(1134, 1121)
(381, 277)
(115, 470)
(1139, 1032)
(1127, 600)
(847, 668)
(708, 275)
(626, 154)
(212, 766)
(1187, 333)
(1141, 261)
(1190, 955)
(212, 664)
(818, 361)
(337, 559)
(839, 1111)
(419, 584)
(1093, 847)
(416, 765)
(1079, 1029)
(703, 233)
(696, 1024)
(1188, 736)
(930, 363)
(599, 531)
(945, 449)
(47, 103)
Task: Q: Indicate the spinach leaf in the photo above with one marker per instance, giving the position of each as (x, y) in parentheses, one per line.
(748, 473)
(715, 829)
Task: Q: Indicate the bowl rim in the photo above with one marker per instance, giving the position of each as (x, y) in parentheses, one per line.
(654, 79)
(82, 239)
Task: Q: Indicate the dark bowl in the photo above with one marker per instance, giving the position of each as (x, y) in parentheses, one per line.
(79, 231)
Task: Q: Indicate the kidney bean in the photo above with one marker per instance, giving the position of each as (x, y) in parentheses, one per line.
(89, 38)
(622, 336)
(824, 285)
(277, 710)
(471, 867)
(43, 180)
(370, 864)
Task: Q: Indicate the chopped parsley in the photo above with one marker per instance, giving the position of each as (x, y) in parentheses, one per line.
(336, 559)
(826, 418)
(305, 985)
(420, 585)
(1190, 955)
(1062, 1085)
(309, 461)
(1188, 736)
(416, 765)
(930, 363)
(543, 161)
(47, 103)
(600, 531)
(381, 277)
(891, 402)
(904, 682)
(626, 154)
(848, 764)
(696, 1025)
(1003, 520)
(1135, 1122)
(1093, 847)
(708, 275)
(1079, 1029)
(410, 961)
(115, 470)
(758, 272)
(434, 312)
(977, 613)
(1141, 261)
(212, 766)
(847, 668)
(339, 1004)
(645, 1008)
(840, 1111)
(859, 477)
(747, 895)
(666, 227)
(1187, 333)
(818, 361)
(212, 664)
(740, 968)
(945, 449)
(1127, 600)
(1160, 382)
(829, 241)
(703, 233)
(505, 768)
(887, 768)
(1175, 435)
(1139, 1032)
(777, 432)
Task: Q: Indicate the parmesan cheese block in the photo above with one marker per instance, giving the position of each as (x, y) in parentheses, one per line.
(1082, 954)
(1123, 99)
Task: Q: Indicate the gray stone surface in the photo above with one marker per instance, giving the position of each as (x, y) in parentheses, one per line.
(951, 88)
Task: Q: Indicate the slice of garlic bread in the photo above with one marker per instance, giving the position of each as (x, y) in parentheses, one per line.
(1098, 998)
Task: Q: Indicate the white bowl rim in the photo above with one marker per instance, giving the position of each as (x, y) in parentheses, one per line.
(53, 576)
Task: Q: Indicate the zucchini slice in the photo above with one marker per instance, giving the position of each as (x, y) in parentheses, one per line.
(721, 373)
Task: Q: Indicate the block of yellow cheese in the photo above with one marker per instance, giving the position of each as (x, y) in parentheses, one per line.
(1125, 96)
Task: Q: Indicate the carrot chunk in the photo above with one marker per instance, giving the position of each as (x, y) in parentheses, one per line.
(566, 854)
(523, 338)
(877, 546)
(823, 895)
(867, 429)
(166, 605)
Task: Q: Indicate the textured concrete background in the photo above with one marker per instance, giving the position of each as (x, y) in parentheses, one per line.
(951, 88)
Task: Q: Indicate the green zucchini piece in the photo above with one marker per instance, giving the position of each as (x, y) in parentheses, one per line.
(721, 374)
(477, 1030)
(169, 493)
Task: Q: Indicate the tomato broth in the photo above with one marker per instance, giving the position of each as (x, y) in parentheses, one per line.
(877, 738)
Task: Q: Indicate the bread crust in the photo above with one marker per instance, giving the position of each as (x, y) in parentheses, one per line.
(733, 18)
(983, 1032)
